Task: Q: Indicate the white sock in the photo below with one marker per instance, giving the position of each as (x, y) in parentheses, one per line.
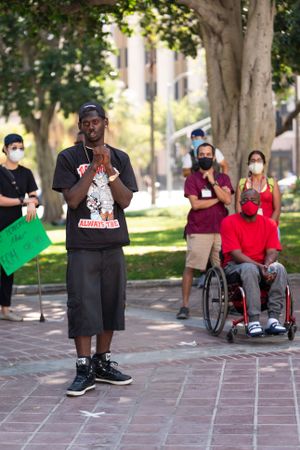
(271, 320)
(256, 322)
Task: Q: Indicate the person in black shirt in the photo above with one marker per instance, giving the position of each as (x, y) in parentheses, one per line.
(97, 182)
(12, 198)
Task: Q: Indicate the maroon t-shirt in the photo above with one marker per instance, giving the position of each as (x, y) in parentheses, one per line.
(206, 220)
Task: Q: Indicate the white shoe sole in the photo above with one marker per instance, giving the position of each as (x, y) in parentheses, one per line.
(79, 393)
(116, 383)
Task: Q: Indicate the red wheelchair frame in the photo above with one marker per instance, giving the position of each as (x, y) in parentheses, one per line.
(222, 295)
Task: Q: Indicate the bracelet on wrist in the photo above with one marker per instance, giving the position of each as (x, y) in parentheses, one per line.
(114, 176)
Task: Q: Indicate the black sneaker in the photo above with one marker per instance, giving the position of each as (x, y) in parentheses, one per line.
(107, 373)
(183, 313)
(85, 378)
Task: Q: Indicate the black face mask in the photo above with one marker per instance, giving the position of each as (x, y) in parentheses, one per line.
(205, 163)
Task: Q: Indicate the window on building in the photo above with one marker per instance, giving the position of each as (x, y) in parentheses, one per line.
(176, 90)
(147, 56)
(185, 86)
(147, 86)
(119, 60)
(280, 163)
(126, 56)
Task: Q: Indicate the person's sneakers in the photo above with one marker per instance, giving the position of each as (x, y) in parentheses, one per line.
(13, 317)
(183, 313)
(106, 371)
(274, 327)
(85, 378)
(255, 329)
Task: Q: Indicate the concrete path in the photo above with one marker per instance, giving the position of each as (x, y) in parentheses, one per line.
(190, 390)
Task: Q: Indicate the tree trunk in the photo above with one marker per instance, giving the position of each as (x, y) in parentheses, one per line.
(52, 201)
(239, 78)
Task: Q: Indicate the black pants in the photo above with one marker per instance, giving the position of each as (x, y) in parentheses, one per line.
(6, 284)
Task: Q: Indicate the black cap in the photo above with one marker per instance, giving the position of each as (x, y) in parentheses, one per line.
(198, 132)
(91, 106)
(11, 138)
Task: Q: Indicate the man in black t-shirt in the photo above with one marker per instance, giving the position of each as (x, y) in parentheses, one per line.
(97, 182)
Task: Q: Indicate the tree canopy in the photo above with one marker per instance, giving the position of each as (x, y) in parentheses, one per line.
(50, 59)
(53, 54)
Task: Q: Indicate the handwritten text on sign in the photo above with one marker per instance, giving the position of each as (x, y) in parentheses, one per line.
(20, 242)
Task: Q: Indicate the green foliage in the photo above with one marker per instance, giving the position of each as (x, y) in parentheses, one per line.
(286, 42)
(130, 131)
(130, 127)
(296, 188)
(180, 27)
(48, 56)
(290, 239)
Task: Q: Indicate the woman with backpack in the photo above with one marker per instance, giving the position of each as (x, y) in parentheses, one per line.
(266, 186)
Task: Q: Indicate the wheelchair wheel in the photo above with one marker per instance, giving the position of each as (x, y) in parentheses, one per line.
(215, 300)
(290, 322)
(292, 332)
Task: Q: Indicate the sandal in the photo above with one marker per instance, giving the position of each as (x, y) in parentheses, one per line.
(275, 328)
(255, 329)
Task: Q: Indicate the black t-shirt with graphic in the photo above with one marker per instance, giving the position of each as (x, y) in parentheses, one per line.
(98, 222)
(26, 184)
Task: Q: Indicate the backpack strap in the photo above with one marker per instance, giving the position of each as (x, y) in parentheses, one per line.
(7, 173)
(270, 181)
(242, 184)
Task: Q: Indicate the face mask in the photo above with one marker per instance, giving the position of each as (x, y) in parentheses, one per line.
(16, 155)
(249, 208)
(256, 168)
(196, 143)
(205, 163)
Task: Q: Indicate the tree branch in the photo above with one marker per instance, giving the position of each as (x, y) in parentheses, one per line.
(289, 120)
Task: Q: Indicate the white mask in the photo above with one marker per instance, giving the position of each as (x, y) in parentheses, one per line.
(256, 168)
(16, 155)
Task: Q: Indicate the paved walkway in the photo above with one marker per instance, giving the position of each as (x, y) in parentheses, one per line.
(190, 390)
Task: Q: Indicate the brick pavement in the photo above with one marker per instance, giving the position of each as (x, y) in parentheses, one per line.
(190, 390)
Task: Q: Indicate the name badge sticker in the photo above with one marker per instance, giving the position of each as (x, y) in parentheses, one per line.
(206, 193)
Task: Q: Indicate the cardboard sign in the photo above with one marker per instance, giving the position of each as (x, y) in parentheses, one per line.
(20, 242)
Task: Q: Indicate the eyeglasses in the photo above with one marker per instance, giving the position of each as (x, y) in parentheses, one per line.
(250, 199)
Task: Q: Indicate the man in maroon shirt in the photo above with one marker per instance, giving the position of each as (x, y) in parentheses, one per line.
(208, 193)
(250, 246)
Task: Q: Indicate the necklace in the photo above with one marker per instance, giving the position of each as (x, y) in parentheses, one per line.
(86, 154)
(257, 186)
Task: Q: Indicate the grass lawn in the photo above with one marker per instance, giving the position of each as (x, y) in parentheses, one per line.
(157, 249)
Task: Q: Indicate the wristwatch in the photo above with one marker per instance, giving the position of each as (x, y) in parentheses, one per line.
(114, 176)
(215, 183)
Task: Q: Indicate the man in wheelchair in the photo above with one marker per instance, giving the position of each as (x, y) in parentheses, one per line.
(250, 248)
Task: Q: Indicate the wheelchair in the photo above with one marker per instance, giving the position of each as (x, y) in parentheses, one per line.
(223, 295)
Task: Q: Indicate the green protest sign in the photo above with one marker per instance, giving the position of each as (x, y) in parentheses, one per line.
(20, 242)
